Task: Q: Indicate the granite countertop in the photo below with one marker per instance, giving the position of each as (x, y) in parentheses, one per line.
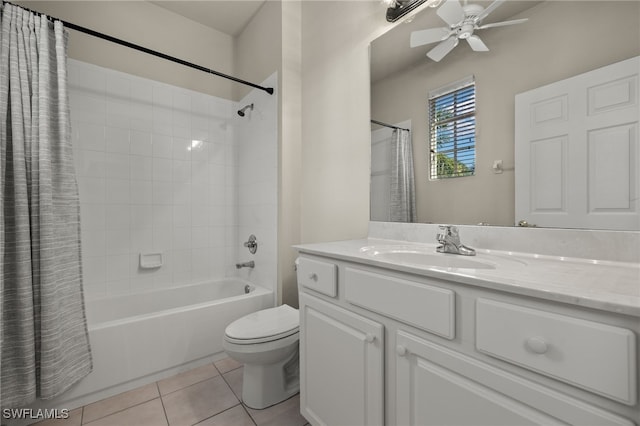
(603, 285)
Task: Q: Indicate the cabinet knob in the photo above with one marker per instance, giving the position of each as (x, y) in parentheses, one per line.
(369, 338)
(401, 350)
(313, 276)
(537, 345)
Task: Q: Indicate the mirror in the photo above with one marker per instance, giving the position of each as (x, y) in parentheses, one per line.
(559, 40)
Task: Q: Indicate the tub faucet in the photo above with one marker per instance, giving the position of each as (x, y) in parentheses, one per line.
(449, 238)
(250, 264)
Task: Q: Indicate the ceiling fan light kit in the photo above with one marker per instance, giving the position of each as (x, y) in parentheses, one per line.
(462, 21)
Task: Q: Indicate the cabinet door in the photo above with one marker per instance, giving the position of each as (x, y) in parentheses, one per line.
(438, 386)
(341, 365)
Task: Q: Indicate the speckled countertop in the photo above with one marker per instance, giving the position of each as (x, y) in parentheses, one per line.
(603, 285)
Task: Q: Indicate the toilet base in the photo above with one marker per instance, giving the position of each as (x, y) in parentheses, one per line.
(264, 385)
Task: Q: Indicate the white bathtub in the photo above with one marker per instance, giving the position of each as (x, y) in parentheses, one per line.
(146, 336)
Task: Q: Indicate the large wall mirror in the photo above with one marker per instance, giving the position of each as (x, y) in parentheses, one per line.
(560, 39)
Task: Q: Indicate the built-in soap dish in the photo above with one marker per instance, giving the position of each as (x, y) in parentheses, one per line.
(150, 260)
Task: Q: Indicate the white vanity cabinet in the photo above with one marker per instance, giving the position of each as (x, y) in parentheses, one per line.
(388, 347)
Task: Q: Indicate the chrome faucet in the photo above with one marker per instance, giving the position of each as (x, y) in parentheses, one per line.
(249, 264)
(449, 238)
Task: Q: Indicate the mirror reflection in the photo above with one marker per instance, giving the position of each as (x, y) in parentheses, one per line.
(550, 41)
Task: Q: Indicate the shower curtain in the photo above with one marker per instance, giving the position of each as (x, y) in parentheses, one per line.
(44, 340)
(403, 200)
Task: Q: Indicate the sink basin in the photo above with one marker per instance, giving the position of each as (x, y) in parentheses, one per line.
(425, 259)
(425, 256)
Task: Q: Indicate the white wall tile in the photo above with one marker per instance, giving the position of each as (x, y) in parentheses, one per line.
(141, 167)
(117, 139)
(162, 193)
(141, 216)
(92, 190)
(116, 166)
(181, 148)
(92, 164)
(141, 241)
(118, 216)
(93, 270)
(117, 191)
(161, 169)
(117, 241)
(141, 192)
(140, 143)
(181, 171)
(158, 170)
(92, 216)
(162, 145)
(93, 243)
(117, 267)
(90, 136)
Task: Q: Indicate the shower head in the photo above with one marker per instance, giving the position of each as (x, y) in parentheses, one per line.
(241, 111)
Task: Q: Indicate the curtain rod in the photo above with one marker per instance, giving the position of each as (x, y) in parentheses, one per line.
(389, 125)
(130, 45)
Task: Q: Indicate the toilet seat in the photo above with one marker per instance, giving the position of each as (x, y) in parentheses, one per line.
(267, 325)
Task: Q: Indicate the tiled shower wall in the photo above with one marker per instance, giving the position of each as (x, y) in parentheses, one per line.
(157, 169)
(257, 200)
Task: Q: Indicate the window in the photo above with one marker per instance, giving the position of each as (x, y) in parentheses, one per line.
(452, 130)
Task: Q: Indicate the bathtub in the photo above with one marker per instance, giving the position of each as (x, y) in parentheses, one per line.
(137, 339)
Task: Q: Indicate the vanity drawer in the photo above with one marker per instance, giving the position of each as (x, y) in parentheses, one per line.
(597, 357)
(318, 275)
(423, 306)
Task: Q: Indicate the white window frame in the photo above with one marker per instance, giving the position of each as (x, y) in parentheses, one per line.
(457, 152)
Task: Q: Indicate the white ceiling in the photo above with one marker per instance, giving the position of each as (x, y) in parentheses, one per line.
(227, 16)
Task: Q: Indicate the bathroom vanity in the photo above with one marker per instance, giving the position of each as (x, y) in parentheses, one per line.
(392, 332)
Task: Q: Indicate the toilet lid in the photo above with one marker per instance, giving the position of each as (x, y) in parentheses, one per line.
(272, 322)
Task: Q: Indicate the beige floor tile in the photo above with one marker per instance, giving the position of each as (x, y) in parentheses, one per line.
(187, 378)
(198, 402)
(150, 413)
(234, 379)
(119, 402)
(74, 419)
(227, 364)
(236, 416)
(287, 413)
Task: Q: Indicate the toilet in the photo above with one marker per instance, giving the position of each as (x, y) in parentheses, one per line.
(266, 342)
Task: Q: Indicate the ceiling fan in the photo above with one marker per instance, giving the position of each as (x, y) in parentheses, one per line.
(462, 21)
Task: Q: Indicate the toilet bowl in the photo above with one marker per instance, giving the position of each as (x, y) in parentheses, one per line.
(266, 342)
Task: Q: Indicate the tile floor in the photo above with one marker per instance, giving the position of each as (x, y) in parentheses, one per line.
(205, 396)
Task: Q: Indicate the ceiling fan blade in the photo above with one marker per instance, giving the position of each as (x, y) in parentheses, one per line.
(432, 35)
(441, 50)
(477, 44)
(493, 6)
(451, 12)
(502, 24)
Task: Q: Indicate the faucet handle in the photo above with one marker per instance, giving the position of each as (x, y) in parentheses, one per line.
(252, 244)
(449, 230)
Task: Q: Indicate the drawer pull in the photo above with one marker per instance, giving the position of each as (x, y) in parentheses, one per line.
(313, 276)
(369, 338)
(537, 345)
(401, 350)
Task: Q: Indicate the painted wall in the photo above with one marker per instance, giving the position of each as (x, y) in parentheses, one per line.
(151, 26)
(335, 117)
(522, 57)
(258, 48)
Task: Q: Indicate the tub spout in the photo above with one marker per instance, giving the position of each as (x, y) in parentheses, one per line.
(250, 264)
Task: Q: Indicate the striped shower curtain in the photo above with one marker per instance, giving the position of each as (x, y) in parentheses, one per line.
(402, 180)
(44, 340)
